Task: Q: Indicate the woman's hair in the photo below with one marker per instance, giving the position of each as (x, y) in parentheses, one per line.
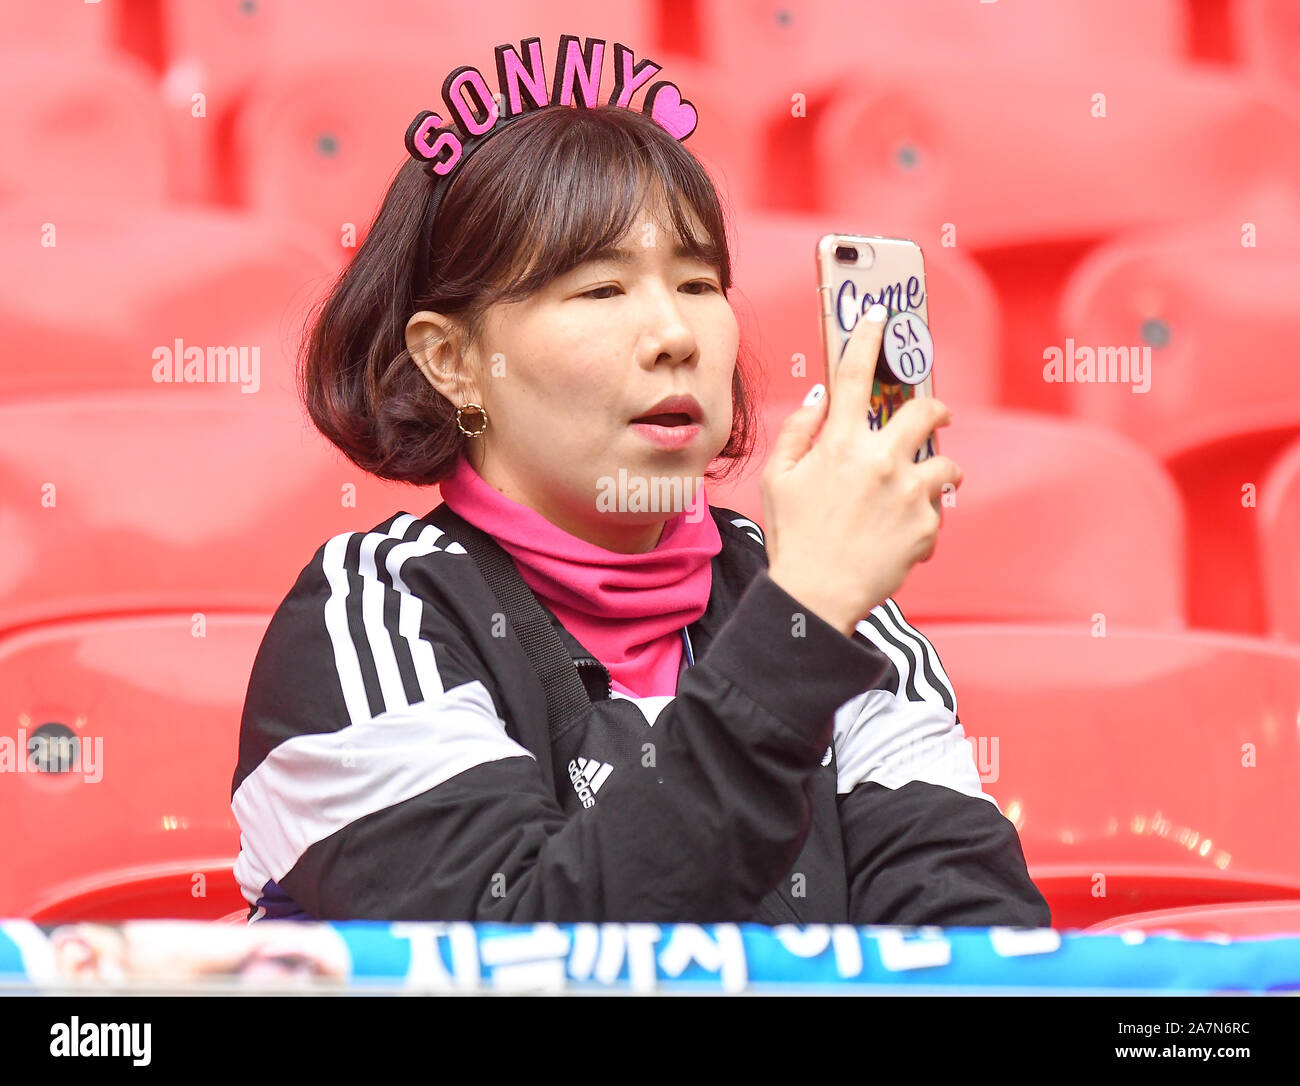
(576, 178)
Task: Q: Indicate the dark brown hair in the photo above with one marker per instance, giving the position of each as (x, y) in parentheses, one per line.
(577, 178)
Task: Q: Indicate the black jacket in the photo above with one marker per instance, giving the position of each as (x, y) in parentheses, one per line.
(395, 762)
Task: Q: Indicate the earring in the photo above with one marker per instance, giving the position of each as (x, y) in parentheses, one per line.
(471, 407)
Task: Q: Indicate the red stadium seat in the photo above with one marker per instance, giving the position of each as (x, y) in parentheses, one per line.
(780, 47)
(1217, 318)
(203, 888)
(1267, 36)
(1278, 534)
(1221, 486)
(1008, 156)
(104, 291)
(322, 152)
(1142, 770)
(58, 28)
(139, 822)
(775, 297)
(1217, 322)
(78, 121)
(1029, 279)
(137, 503)
(1053, 521)
(1244, 919)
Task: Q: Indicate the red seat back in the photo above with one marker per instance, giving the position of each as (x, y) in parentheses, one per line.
(1054, 521)
(117, 503)
(1002, 156)
(139, 821)
(1244, 919)
(1278, 534)
(150, 285)
(79, 120)
(1142, 770)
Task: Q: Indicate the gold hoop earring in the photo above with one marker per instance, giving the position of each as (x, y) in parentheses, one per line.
(471, 407)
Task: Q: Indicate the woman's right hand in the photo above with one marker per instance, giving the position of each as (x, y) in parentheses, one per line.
(848, 517)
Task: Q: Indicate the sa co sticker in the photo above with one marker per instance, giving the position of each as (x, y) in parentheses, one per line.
(908, 348)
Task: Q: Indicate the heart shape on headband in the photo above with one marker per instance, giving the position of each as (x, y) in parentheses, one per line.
(670, 110)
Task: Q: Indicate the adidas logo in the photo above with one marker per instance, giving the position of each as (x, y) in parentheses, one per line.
(587, 776)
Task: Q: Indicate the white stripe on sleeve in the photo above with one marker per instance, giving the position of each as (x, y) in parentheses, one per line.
(379, 635)
(890, 740)
(312, 786)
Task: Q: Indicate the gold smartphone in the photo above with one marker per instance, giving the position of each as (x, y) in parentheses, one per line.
(853, 272)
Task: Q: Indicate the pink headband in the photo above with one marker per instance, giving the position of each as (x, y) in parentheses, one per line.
(478, 113)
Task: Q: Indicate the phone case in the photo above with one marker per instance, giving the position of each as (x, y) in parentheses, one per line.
(890, 271)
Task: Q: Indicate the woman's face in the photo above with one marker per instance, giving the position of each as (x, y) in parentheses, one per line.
(563, 374)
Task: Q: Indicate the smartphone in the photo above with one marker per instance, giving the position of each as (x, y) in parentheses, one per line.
(854, 271)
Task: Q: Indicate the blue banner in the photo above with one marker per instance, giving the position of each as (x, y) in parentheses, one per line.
(640, 958)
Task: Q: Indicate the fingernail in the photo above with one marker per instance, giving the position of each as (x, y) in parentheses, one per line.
(814, 394)
(877, 313)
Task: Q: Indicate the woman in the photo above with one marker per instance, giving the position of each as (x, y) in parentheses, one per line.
(757, 733)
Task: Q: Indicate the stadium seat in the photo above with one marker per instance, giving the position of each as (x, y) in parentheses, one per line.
(1028, 280)
(1013, 155)
(203, 888)
(138, 823)
(1267, 37)
(135, 502)
(1240, 920)
(775, 297)
(779, 47)
(58, 28)
(1216, 320)
(103, 292)
(1221, 485)
(78, 121)
(1142, 770)
(1216, 317)
(1278, 535)
(1054, 521)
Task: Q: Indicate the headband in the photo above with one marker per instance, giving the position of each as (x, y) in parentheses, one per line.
(475, 113)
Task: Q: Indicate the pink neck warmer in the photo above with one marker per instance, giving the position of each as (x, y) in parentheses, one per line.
(627, 609)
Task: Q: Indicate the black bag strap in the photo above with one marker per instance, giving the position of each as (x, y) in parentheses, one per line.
(566, 695)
